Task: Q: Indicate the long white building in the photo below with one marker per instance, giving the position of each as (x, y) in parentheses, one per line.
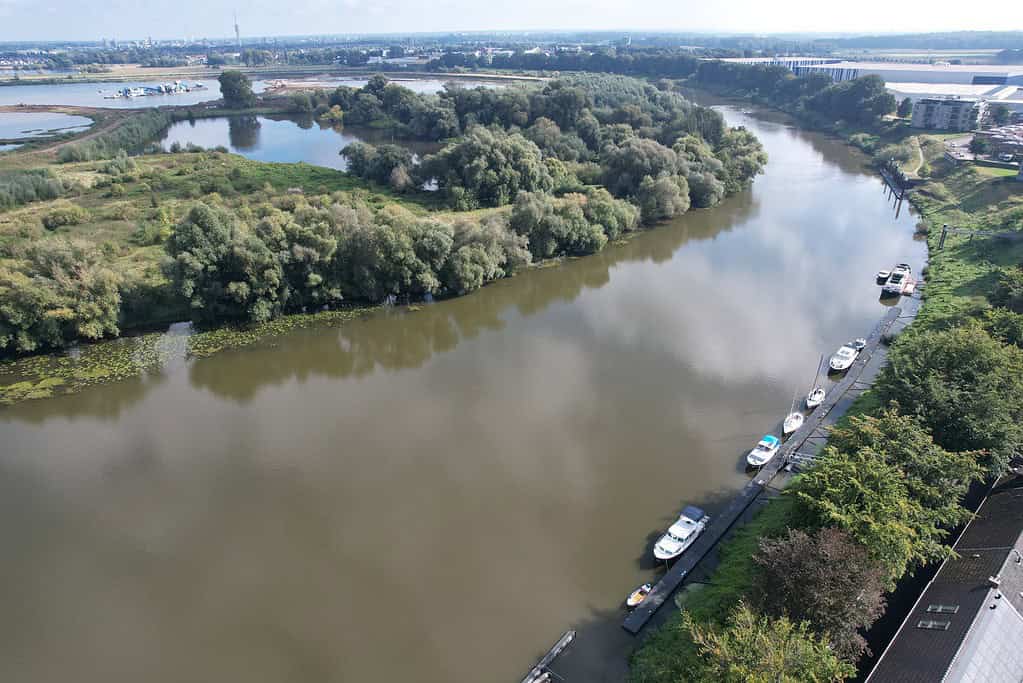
(986, 82)
(842, 70)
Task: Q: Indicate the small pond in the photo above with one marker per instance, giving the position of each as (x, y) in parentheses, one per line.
(282, 139)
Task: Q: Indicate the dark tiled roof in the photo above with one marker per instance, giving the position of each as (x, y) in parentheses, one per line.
(998, 523)
(985, 549)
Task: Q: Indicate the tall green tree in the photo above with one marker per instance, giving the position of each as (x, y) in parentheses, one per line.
(965, 386)
(488, 168)
(934, 476)
(224, 271)
(864, 495)
(905, 108)
(61, 292)
(236, 89)
(754, 649)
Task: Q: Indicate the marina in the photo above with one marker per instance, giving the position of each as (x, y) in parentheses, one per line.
(791, 453)
(175, 88)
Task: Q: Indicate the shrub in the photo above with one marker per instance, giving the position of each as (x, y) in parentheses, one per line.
(67, 214)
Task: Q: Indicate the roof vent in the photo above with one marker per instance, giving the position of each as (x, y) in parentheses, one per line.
(994, 581)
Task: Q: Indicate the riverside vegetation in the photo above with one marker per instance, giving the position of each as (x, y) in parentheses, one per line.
(115, 234)
(882, 500)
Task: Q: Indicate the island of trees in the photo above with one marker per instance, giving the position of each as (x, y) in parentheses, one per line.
(524, 174)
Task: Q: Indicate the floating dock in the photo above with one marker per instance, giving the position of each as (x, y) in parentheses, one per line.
(724, 520)
(540, 671)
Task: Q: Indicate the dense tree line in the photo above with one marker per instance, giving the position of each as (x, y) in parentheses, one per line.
(861, 100)
(301, 254)
(130, 136)
(814, 95)
(667, 63)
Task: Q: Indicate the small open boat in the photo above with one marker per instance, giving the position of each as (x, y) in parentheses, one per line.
(815, 397)
(882, 276)
(764, 451)
(639, 595)
(793, 422)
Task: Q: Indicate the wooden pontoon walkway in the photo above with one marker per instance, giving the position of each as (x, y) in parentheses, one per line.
(540, 671)
(724, 520)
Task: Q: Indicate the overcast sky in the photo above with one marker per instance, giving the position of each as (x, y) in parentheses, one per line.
(123, 19)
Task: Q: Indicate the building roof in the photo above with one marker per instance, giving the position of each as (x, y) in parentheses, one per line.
(938, 89)
(988, 69)
(962, 624)
(830, 63)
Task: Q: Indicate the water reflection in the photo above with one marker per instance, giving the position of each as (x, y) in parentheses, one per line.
(286, 139)
(243, 132)
(458, 484)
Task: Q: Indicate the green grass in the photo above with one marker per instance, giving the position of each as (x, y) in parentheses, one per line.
(960, 276)
(997, 172)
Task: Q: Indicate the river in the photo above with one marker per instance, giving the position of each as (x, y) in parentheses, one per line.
(436, 495)
(98, 94)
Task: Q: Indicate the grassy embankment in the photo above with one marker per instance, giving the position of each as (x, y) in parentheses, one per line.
(958, 280)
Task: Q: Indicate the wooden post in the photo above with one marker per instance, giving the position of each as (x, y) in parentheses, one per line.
(944, 233)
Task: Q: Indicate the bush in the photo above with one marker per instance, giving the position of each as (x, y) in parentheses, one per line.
(61, 293)
(68, 214)
(22, 187)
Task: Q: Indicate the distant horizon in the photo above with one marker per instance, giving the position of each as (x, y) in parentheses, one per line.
(125, 20)
(780, 35)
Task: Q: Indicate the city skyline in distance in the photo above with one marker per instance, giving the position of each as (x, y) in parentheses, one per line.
(62, 20)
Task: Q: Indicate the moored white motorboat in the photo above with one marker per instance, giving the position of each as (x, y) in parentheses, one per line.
(843, 358)
(681, 534)
(815, 397)
(764, 451)
(793, 422)
(639, 595)
(882, 276)
(898, 281)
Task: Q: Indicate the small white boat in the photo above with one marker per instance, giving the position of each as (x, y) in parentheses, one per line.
(882, 276)
(793, 422)
(764, 451)
(859, 344)
(639, 595)
(815, 397)
(681, 534)
(843, 358)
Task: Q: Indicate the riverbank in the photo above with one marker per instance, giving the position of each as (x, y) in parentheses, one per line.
(961, 280)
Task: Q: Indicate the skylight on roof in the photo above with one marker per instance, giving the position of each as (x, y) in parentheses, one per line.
(943, 609)
(932, 625)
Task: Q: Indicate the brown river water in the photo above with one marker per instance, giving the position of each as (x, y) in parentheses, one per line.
(436, 495)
